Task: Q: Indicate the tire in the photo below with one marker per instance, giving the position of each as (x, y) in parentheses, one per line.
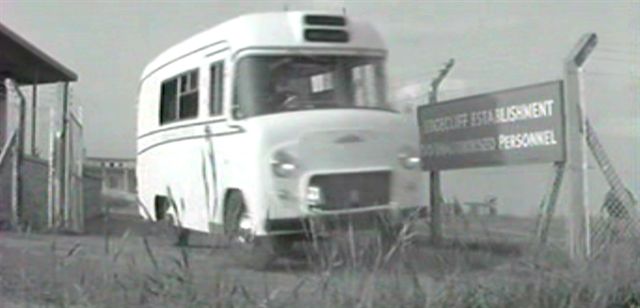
(181, 235)
(166, 220)
(258, 252)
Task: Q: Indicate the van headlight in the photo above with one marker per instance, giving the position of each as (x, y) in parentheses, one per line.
(409, 158)
(283, 164)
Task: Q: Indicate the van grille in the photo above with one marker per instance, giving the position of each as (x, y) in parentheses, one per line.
(352, 190)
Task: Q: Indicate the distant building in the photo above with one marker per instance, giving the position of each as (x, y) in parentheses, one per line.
(118, 174)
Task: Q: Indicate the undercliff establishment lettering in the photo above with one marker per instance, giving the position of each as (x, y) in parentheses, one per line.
(517, 126)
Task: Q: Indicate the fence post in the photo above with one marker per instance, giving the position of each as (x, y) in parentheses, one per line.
(63, 172)
(575, 113)
(18, 152)
(15, 186)
(435, 191)
(549, 205)
(75, 158)
(4, 110)
(80, 152)
(34, 112)
(51, 204)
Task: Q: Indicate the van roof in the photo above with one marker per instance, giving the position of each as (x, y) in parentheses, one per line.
(273, 29)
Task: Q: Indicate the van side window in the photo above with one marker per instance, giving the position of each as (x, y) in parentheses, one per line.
(216, 88)
(179, 98)
(168, 96)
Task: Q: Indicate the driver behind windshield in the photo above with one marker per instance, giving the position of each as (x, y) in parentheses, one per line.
(273, 84)
(282, 96)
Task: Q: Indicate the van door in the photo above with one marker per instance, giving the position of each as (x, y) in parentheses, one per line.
(213, 158)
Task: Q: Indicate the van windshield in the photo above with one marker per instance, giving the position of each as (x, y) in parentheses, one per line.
(272, 84)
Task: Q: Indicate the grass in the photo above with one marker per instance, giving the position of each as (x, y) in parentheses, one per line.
(354, 270)
(141, 268)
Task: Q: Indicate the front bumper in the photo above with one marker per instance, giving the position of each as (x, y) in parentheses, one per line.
(360, 219)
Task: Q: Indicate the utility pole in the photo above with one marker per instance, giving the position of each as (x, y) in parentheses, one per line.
(435, 192)
(576, 136)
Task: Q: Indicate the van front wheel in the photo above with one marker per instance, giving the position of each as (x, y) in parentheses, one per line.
(237, 224)
(180, 234)
(256, 251)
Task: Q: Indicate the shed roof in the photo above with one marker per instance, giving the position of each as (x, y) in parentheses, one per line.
(23, 61)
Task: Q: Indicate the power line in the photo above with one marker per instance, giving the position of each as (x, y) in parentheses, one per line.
(597, 73)
(608, 58)
(495, 54)
(619, 45)
(486, 68)
(421, 75)
(499, 55)
(486, 61)
(620, 52)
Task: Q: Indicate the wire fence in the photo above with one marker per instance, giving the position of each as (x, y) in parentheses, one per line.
(613, 226)
(55, 191)
(489, 211)
(618, 220)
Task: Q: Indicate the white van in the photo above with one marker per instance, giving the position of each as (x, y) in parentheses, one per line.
(268, 120)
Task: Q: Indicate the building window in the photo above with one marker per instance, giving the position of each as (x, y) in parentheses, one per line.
(179, 98)
(216, 88)
(112, 182)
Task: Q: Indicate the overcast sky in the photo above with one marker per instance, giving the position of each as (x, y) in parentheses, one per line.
(496, 45)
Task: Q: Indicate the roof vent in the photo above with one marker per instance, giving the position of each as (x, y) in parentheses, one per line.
(325, 20)
(326, 35)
